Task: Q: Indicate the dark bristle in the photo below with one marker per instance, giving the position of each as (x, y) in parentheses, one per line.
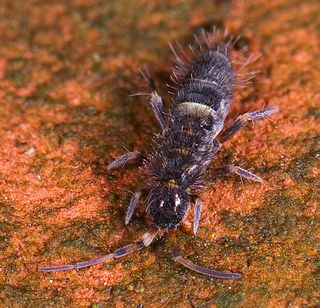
(214, 40)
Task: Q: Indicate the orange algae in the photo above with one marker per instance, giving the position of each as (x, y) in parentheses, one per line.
(65, 74)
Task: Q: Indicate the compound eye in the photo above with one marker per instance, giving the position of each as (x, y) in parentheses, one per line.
(179, 204)
(177, 200)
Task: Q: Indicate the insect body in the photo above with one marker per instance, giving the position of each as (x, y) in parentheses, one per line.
(178, 165)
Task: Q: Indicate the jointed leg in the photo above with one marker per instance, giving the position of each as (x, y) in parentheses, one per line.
(132, 205)
(243, 119)
(197, 268)
(231, 169)
(125, 158)
(155, 99)
(197, 214)
(144, 242)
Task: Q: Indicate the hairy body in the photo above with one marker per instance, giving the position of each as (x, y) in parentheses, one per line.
(178, 164)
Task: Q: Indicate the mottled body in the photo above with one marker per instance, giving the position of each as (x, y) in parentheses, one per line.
(178, 164)
(182, 152)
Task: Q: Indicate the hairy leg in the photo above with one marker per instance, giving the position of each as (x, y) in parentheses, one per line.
(197, 214)
(155, 99)
(243, 119)
(123, 159)
(231, 169)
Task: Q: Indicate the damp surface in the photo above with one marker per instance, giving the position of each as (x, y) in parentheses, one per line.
(67, 69)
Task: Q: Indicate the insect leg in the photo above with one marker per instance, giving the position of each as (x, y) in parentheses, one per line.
(132, 205)
(197, 214)
(231, 169)
(125, 158)
(243, 119)
(194, 267)
(144, 242)
(155, 98)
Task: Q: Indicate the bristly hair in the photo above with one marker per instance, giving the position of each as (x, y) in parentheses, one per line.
(215, 40)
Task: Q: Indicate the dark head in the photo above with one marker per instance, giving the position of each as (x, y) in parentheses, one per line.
(168, 207)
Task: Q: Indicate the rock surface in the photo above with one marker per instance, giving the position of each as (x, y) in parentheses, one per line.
(66, 70)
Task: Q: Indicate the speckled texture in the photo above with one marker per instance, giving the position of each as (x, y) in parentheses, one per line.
(66, 70)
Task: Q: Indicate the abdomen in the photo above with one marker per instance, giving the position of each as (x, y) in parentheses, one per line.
(209, 81)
